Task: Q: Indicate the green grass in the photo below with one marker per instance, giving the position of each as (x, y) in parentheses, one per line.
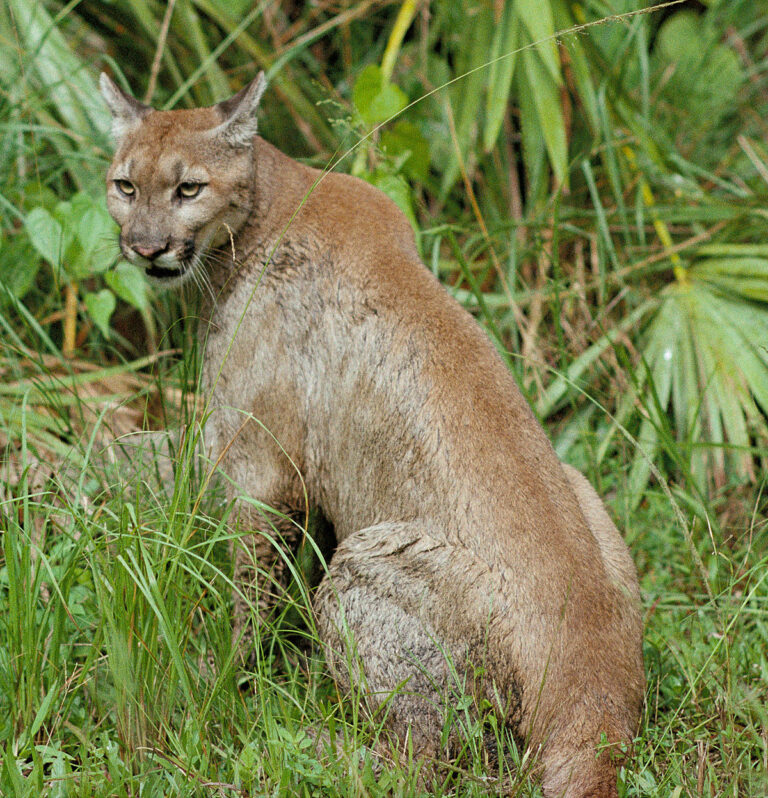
(117, 596)
(603, 215)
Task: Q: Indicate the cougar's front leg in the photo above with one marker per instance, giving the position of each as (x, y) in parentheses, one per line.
(267, 518)
(261, 548)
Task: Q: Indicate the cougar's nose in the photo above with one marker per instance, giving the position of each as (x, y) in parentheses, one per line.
(150, 251)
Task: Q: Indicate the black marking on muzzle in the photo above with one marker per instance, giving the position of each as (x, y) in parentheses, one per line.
(161, 273)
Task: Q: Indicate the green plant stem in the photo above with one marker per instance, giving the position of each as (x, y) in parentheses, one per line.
(402, 23)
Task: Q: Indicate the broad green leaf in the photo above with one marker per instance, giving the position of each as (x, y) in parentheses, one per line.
(65, 210)
(737, 408)
(534, 150)
(405, 140)
(10, 769)
(100, 307)
(18, 266)
(546, 99)
(686, 396)
(466, 97)
(582, 69)
(736, 331)
(72, 236)
(398, 191)
(53, 695)
(95, 231)
(750, 289)
(60, 774)
(66, 213)
(640, 472)
(129, 283)
(660, 355)
(706, 74)
(77, 263)
(747, 276)
(711, 411)
(536, 15)
(734, 250)
(46, 235)
(679, 37)
(751, 267)
(375, 99)
(80, 203)
(500, 75)
(724, 378)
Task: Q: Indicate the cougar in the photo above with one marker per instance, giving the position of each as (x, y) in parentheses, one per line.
(341, 374)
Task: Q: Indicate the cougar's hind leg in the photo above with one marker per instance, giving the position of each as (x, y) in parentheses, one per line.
(383, 621)
(407, 621)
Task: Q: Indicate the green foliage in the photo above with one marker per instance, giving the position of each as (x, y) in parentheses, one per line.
(404, 142)
(376, 99)
(705, 75)
(101, 306)
(597, 199)
(67, 236)
(18, 268)
(129, 283)
(71, 237)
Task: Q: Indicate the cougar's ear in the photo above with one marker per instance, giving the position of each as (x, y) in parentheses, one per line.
(238, 113)
(127, 111)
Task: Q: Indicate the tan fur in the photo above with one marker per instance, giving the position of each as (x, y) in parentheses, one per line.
(336, 363)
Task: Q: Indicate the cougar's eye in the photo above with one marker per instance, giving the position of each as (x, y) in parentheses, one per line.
(189, 190)
(125, 187)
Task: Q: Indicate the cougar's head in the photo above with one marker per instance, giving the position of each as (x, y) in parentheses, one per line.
(181, 181)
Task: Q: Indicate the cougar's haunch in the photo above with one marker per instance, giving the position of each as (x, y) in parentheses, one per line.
(334, 354)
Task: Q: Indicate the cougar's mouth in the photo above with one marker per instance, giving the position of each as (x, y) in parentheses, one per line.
(172, 267)
(163, 272)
